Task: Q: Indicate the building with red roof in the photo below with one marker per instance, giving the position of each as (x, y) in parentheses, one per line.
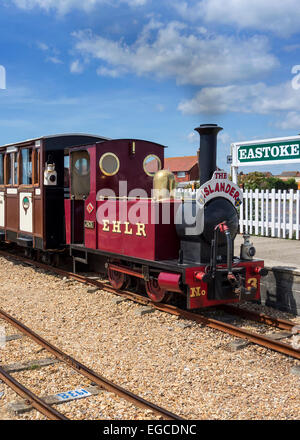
(184, 168)
(286, 175)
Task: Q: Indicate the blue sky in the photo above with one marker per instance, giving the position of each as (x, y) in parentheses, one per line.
(151, 70)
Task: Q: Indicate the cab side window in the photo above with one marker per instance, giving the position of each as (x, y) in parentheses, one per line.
(80, 174)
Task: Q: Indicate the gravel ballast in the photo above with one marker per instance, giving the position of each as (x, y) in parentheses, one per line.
(187, 369)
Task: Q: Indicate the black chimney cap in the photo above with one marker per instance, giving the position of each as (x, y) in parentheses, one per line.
(208, 128)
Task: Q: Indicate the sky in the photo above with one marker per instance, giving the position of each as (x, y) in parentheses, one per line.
(153, 70)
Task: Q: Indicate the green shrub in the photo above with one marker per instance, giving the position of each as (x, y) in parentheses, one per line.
(257, 180)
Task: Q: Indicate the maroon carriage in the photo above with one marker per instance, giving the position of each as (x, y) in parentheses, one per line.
(33, 183)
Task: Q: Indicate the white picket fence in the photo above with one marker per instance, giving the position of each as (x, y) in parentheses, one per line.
(181, 192)
(271, 213)
(266, 213)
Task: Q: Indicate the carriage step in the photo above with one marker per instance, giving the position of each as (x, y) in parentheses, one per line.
(25, 241)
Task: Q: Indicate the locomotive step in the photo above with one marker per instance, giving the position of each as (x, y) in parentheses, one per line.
(79, 255)
(81, 260)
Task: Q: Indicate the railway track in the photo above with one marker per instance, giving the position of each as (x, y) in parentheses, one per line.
(100, 381)
(31, 398)
(254, 337)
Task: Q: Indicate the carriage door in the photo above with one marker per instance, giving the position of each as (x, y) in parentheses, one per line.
(25, 198)
(2, 210)
(80, 189)
(2, 199)
(25, 208)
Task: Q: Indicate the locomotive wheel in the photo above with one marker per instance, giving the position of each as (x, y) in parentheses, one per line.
(155, 292)
(117, 279)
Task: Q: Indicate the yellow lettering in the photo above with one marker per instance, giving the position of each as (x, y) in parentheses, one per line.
(127, 230)
(203, 292)
(117, 227)
(141, 229)
(105, 225)
(252, 282)
(195, 291)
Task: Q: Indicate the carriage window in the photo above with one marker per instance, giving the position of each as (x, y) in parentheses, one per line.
(11, 169)
(26, 166)
(36, 168)
(15, 168)
(8, 170)
(1, 169)
(152, 164)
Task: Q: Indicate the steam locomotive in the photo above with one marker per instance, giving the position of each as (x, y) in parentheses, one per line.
(112, 206)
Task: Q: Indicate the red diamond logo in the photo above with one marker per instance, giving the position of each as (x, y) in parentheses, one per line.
(90, 208)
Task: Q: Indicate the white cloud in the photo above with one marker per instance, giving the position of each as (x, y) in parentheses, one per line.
(76, 67)
(225, 138)
(255, 98)
(280, 17)
(54, 60)
(65, 6)
(174, 51)
(104, 71)
(290, 121)
(192, 138)
(42, 46)
(52, 53)
(291, 47)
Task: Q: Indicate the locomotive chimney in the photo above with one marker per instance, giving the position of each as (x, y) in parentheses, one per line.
(207, 154)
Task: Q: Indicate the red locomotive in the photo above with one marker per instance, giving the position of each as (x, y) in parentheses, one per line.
(112, 205)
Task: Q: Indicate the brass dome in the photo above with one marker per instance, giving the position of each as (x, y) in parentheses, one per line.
(163, 185)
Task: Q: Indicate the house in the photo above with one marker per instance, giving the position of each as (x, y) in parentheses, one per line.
(184, 168)
(285, 175)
